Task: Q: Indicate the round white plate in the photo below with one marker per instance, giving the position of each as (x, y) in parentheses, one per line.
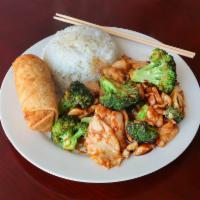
(38, 149)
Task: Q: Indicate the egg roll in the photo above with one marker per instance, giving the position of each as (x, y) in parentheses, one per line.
(36, 92)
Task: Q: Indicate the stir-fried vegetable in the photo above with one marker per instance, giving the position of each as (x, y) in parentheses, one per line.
(118, 96)
(174, 113)
(142, 132)
(67, 130)
(161, 71)
(77, 96)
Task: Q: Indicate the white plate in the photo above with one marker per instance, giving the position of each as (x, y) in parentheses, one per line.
(38, 149)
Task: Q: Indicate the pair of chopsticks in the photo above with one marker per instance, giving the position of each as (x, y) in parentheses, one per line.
(75, 21)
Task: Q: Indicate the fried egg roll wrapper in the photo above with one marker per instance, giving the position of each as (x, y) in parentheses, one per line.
(36, 92)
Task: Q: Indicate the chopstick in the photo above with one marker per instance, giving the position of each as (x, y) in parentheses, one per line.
(75, 21)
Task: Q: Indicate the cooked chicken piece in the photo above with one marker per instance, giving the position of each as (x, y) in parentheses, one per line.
(116, 74)
(178, 98)
(126, 154)
(119, 70)
(115, 120)
(153, 96)
(93, 86)
(151, 100)
(96, 101)
(118, 126)
(130, 139)
(134, 63)
(167, 132)
(82, 112)
(166, 99)
(125, 116)
(102, 143)
(132, 146)
(142, 149)
(121, 64)
(129, 149)
(77, 111)
(154, 118)
(157, 95)
(104, 113)
(141, 90)
(145, 86)
(160, 120)
(159, 110)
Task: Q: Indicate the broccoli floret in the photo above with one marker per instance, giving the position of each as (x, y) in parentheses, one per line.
(81, 95)
(67, 130)
(63, 124)
(118, 96)
(161, 71)
(78, 96)
(115, 102)
(142, 132)
(174, 113)
(66, 103)
(70, 140)
(160, 56)
(142, 113)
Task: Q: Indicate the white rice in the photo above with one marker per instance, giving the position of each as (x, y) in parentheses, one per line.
(76, 53)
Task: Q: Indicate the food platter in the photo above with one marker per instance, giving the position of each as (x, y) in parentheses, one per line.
(41, 152)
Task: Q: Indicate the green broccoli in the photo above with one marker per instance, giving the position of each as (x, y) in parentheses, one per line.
(174, 113)
(118, 96)
(66, 103)
(81, 95)
(70, 140)
(67, 130)
(161, 71)
(142, 132)
(78, 96)
(142, 113)
(115, 102)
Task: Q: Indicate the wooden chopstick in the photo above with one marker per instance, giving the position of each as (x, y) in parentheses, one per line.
(75, 21)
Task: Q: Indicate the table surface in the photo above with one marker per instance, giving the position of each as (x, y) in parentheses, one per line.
(25, 22)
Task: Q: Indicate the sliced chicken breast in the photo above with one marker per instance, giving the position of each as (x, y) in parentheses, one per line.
(115, 120)
(102, 144)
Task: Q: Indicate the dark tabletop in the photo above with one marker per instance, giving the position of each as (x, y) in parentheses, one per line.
(24, 22)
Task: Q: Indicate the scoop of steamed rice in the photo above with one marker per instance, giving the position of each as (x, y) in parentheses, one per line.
(77, 53)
